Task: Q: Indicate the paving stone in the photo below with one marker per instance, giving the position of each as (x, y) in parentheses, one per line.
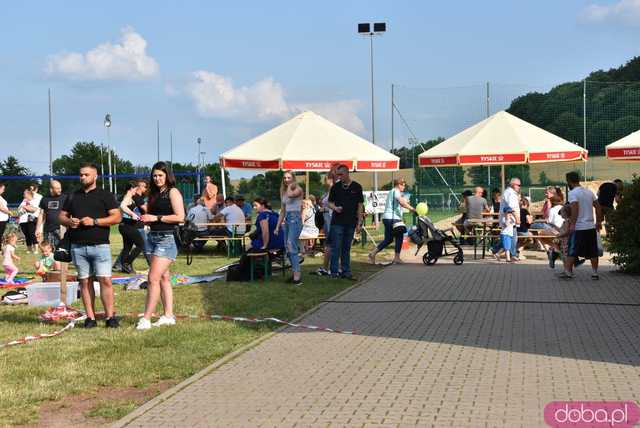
(482, 344)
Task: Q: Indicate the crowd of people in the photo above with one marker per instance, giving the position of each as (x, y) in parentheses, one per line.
(149, 213)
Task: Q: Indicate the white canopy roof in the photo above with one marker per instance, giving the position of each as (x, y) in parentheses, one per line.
(502, 139)
(309, 142)
(627, 148)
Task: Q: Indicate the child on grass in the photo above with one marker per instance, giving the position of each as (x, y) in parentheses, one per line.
(46, 261)
(507, 234)
(9, 257)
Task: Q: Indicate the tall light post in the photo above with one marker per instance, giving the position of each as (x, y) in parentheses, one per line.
(107, 124)
(50, 139)
(198, 167)
(365, 30)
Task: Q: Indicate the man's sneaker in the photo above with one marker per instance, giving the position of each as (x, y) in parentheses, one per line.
(112, 322)
(595, 276)
(143, 324)
(565, 275)
(164, 320)
(90, 323)
(552, 259)
(579, 262)
(297, 282)
(127, 268)
(348, 277)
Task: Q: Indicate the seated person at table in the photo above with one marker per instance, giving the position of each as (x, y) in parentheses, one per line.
(462, 209)
(266, 223)
(199, 214)
(476, 205)
(496, 195)
(233, 216)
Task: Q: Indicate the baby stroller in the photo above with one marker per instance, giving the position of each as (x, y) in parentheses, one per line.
(441, 244)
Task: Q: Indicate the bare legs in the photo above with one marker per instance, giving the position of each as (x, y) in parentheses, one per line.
(159, 287)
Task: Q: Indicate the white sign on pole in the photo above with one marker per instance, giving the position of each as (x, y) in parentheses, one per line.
(375, 202)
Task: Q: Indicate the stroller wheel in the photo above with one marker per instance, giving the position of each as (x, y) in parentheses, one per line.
(429, 259)
(458, 258)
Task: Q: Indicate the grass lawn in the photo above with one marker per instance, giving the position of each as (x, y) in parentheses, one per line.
(94, 363)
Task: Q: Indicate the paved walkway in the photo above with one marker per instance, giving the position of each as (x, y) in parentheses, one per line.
(481, 344)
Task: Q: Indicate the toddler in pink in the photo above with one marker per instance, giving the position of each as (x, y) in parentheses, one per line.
(9, 257)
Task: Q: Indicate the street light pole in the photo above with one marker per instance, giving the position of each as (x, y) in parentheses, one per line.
(50, 139)
(198, 167)
(365, 29)
(107, 124)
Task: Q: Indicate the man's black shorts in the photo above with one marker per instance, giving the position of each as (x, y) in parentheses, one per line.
(583, 243)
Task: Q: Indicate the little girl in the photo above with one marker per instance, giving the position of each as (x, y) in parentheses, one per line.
(563, 231)
(507, 235)
(10, 268)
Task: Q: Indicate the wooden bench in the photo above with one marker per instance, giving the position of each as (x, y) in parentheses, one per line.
(235, 242)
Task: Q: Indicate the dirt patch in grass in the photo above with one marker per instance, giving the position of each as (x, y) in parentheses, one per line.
(96, 410)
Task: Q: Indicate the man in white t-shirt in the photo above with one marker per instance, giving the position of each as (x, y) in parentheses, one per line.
(511, 199)
(4, 213)
(233, 216)
(583, 241)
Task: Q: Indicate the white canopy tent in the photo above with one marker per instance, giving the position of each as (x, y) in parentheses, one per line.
(308, 142)
(502, 139)
(626, 148)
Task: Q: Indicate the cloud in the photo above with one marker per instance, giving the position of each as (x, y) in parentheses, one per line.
(623, 11)
(127, 60)
(216, 96)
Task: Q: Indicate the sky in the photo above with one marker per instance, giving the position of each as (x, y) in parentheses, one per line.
(227, 72)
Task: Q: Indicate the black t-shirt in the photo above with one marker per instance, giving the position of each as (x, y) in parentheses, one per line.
(161, 205)
(606, 194)
(136, 207)
(51, 205)
(94, 204)
(524, 226)
(348, 198)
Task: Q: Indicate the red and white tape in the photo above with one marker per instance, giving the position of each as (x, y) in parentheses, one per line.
(74, 320)
(27, 339)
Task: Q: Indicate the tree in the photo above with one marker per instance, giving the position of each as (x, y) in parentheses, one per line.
(11, 167)
(84, 151)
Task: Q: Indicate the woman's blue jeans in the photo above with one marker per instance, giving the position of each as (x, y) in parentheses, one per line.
(389, 235)
(292, 229)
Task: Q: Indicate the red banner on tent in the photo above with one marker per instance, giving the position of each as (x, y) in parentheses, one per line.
(438, 161)
(377, 165)
(314, 165)
(251, 164)
(492, 159)
(556, 156)
(621, 154)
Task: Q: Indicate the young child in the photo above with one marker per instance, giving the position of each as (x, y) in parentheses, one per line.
(9, 257)
(46, 262)
(507, 234)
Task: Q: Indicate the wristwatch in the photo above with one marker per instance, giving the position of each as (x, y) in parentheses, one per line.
(95, 221)
(159, 219)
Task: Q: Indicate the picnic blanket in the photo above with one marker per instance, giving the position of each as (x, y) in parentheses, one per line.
(138, 282)
(18, 282)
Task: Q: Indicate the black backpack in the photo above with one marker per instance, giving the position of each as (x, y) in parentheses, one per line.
(319, 219)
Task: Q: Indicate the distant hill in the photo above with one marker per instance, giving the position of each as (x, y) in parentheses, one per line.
(612, 107)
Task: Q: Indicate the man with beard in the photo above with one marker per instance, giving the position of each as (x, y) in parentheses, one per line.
(88, 214)
(48, 226)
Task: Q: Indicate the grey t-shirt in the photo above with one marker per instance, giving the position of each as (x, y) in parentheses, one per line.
(475, 206)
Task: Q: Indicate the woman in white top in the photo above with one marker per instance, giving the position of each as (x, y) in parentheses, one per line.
(27, 221)
(4, 213)
(310, 231)
(392, 215)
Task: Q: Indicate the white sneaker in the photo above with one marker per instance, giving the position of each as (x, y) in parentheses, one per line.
(164, 320)
(143, 324)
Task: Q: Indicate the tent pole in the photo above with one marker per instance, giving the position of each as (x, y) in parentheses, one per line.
(502, 177)
(306, 185)
(224, 185)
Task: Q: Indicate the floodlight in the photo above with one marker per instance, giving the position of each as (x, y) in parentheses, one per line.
(364, 28)
(379, 27)
(107, 121)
